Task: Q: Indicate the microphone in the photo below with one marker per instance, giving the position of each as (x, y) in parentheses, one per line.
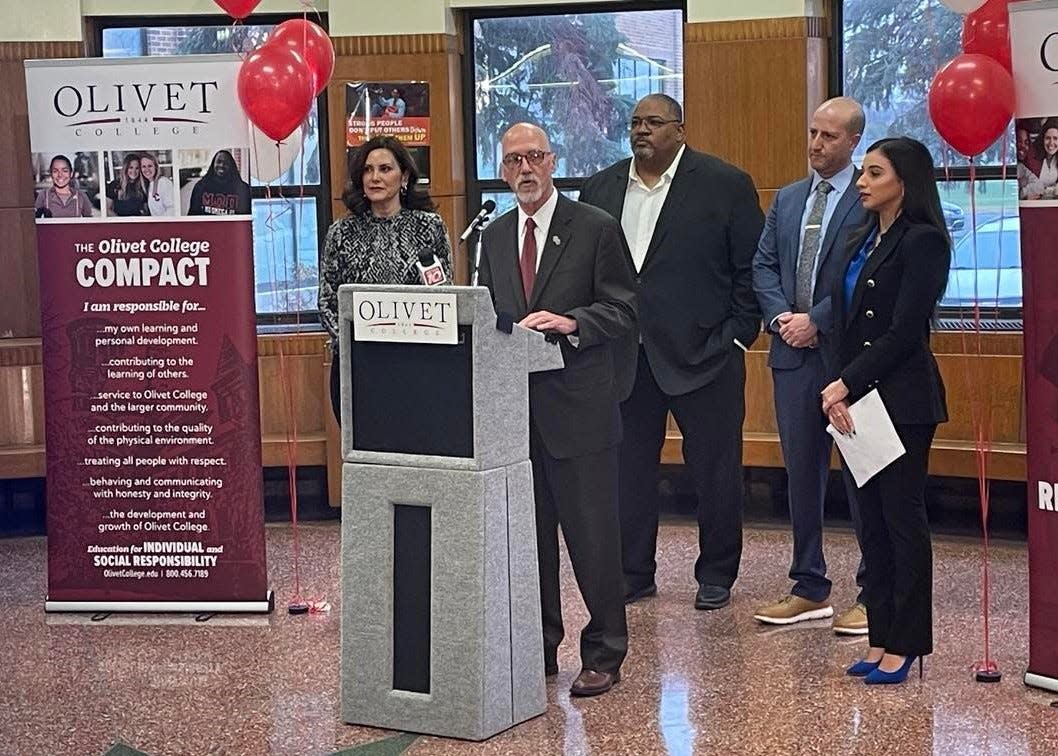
(431, 272)
(486, 207)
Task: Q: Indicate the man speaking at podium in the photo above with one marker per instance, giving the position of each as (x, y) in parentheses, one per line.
(559, 267)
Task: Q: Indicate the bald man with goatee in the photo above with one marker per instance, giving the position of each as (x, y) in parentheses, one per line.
(559, 267)
(799, 259)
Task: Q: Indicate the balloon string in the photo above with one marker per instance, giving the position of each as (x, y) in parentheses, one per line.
(285, 386)
(981, 414)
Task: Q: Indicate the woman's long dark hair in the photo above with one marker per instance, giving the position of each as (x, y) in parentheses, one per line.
(913, 164)
(353, 196)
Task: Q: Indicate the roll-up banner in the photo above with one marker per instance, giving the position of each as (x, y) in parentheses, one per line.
(1034, 43)
(153, 444)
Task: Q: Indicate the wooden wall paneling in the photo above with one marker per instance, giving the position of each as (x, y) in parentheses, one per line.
(980, 388)
(292, 363)
(21, 393)
(433, 58)
(20, 303)
(19, 307)
(16, 187)
(767, 196)
(736, 73)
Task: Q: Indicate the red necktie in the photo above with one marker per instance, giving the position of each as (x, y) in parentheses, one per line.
(528, 259)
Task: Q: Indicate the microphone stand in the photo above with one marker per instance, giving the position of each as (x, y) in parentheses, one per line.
(477, 249)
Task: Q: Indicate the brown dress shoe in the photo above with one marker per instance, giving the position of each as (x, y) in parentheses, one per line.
(592, 683)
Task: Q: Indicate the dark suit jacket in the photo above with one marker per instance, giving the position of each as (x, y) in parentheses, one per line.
(695, 288)
(881, 338)
(775, 264)
(584, 276)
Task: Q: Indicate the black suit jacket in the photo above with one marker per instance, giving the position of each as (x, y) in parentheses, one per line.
(881, 337)
(695, 288)
(583, 274)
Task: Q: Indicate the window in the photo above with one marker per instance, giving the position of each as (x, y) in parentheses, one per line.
(578, 75)
(889, 53)
(290, 214)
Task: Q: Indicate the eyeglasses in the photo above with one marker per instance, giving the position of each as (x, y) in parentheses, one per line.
(514, 159)
(651, 122)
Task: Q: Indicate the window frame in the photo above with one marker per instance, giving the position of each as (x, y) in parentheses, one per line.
(272, 322)
(476, 187)
(952, 317)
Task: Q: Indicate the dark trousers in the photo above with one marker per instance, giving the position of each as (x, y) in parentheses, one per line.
(710, 419)
(898, 592)
(336, 385)
(806, 452)
(580, 494)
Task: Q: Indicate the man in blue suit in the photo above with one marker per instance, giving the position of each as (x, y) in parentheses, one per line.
(797, 263)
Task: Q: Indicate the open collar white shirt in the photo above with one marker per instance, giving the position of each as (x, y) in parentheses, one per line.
(643, 206)
(542, 219)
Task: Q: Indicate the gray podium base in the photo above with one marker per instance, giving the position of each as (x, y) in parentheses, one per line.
(486, 664)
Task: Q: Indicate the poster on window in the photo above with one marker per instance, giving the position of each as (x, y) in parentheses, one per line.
(1034, 42)
(152, 428)
(399, 109)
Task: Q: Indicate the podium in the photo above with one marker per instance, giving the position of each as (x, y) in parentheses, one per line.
(440, 626)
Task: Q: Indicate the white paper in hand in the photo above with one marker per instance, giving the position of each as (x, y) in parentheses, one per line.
(875, 445)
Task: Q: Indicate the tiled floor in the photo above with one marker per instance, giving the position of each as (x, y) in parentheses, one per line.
(694, 683)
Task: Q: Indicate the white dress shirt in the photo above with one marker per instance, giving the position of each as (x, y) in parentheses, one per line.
(542, 219)
(643, 206)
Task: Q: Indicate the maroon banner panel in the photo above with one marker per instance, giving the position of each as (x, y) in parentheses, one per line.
(1039, 263)
(152, 421)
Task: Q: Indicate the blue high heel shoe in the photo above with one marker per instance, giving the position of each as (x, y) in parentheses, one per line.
(879, 677)
(862, 668)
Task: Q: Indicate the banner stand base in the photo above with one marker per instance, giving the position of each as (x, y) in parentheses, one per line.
(265, 606)
(1041, 681)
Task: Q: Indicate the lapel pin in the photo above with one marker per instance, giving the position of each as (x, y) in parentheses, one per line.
(555, 240)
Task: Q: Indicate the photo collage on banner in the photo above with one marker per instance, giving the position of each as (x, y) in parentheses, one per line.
(153, 444)
(1034, 48)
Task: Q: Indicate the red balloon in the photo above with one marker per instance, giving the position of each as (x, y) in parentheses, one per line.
(986, 31)
(276, 90)
(971, 101)
(311, 42)
(238, 9)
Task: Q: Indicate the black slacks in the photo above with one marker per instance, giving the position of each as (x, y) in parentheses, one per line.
(580, 495)
(898, 589)
(710, 419)
(336, 385)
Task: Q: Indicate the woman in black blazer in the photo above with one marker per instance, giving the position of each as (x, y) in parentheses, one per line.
(895, 272)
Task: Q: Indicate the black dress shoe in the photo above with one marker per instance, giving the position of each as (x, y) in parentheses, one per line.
(592, 683)
(633, 596)
(712, 596)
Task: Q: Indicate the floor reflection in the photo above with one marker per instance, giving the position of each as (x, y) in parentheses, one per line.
(674, 716)
(694, 682)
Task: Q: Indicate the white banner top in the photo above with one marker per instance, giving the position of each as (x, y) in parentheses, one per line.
(1034, 26)
(135, 103)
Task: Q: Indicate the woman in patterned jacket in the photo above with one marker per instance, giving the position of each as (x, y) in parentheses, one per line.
(390, 221)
